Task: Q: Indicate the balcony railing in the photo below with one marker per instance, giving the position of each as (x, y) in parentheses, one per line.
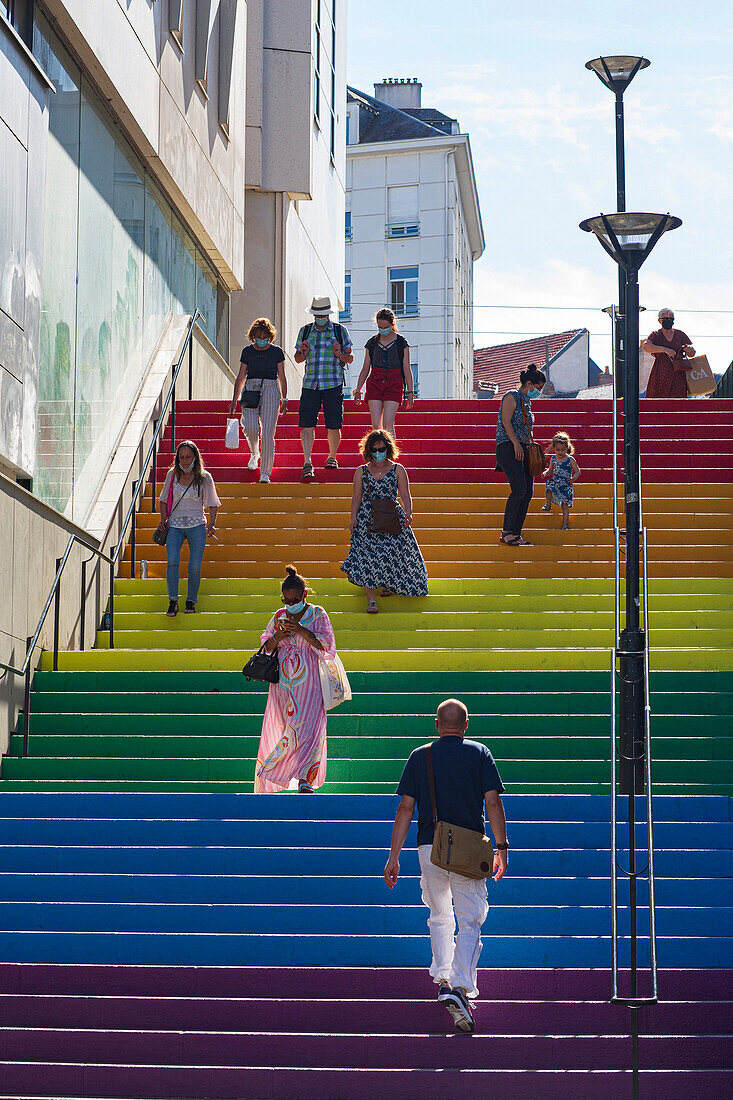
(402, 229)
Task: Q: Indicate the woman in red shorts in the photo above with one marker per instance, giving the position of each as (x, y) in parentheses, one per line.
(387, 362)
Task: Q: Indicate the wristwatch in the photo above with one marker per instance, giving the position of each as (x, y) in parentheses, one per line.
(502, 847)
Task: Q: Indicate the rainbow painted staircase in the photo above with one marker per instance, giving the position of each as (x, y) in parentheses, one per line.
(168, 934)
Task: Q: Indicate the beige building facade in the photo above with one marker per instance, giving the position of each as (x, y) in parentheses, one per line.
(295, 158)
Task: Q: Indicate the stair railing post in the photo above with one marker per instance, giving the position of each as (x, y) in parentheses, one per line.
(190, 367)
(133, 533)
(56, 618)
(27, 696)
(173, 420)
(154, 467)
(83, 606)
(112, 604)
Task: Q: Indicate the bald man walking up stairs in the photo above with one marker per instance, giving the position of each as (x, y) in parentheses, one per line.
(466, 781)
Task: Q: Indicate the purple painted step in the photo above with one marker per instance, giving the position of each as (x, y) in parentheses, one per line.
(194, 1082)
(361, 1051)
(374, 1017)
(359, 983)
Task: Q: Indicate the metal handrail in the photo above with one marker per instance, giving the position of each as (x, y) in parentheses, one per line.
(111, 559)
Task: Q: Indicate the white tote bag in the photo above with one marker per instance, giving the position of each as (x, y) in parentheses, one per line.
(334, 681)
(231, 440)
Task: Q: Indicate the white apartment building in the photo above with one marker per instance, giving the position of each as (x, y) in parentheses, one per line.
(413, 231)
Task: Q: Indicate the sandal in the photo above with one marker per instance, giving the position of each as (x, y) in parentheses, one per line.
(523, 542)
(546, 508)
(307, 474)
(509, 540)
(304, 787)
(172, 609)
(332, 464)
(372, 608)
(385, 591)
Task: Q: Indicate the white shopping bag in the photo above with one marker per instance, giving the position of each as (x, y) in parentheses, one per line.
(334, 682)
(231, 440)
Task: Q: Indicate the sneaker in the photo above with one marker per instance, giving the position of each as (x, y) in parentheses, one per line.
(305, 788)
(190, 607)
(264, 479)
(565, 527)
(307, 474)
(444, 992)
(456, 1001)
(254, 461)
(546, 508)
(172, 609)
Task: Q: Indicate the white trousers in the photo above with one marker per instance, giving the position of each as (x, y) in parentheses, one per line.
(266, 417)
(450, 898)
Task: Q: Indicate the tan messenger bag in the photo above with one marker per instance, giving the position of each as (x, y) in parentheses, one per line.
(456, 849)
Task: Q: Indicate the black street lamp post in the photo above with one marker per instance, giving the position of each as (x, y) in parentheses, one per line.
(616, 73)
(628, 239)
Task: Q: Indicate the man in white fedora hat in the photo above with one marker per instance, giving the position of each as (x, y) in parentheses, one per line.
(325, 348)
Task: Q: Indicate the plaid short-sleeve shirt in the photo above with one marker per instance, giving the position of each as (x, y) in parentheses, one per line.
(323, 370)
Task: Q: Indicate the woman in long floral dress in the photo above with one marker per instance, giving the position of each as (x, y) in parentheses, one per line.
(392, 563)
(293, 739)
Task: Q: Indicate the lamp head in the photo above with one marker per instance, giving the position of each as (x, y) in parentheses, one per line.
(617, 72)
(629, 237)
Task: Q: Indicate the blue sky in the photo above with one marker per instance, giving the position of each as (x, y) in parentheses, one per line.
(542, 135)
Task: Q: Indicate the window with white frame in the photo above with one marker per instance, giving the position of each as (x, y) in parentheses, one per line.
(317, 63)
(345, 314)
(403, 291)
(402, 212)
(415, 373)
(348, 230)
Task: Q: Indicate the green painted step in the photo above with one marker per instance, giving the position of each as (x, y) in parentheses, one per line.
(167, 769)
(346, 723)
(216, 745)
(253, 702)
(530, 680)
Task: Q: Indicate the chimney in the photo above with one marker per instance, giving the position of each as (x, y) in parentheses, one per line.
(402, 92)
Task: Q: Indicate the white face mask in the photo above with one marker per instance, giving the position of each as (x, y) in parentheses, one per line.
(187, 469)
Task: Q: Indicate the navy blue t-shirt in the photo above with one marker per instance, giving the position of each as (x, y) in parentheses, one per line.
(262, 362)
(464, 772)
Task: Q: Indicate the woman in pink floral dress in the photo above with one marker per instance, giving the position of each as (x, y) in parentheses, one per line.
(293, 740)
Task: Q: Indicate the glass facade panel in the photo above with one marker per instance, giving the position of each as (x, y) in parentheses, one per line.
(54, 478)
(117, 261)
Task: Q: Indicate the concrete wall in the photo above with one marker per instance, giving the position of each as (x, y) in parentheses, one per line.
(33, 535)
(149, 77)
(24, 94)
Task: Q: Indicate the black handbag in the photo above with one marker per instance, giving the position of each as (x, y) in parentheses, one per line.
(263, 666)
(251, 399)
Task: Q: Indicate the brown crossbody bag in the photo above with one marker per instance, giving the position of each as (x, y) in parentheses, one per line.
(463, 851)
(385, 517)
(535, 456)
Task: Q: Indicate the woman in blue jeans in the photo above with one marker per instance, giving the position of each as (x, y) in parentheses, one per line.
(188, 489)
(513, 433)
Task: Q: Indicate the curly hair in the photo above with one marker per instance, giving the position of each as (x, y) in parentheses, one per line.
(374, 438)
(564, 439)
(263, 326)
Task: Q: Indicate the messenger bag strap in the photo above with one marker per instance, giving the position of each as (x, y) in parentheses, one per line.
(431, 780)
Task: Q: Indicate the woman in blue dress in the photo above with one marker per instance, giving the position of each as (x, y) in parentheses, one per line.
(561, 472)
(392, 563)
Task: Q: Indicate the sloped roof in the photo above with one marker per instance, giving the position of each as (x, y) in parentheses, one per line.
(380, 122)
(500, 365)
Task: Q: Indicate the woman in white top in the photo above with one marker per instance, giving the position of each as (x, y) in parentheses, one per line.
(193, 490)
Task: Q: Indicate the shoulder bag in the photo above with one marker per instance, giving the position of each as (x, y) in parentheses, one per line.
(463, 851)
(535, 454)
(263, 666)
(385, 517)
(160, 534)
